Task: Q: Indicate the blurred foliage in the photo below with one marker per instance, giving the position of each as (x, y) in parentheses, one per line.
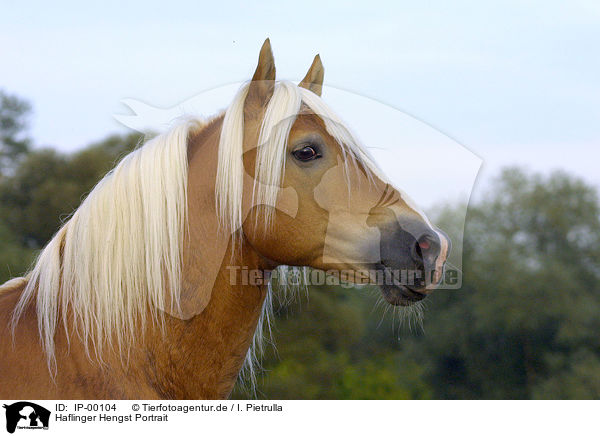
(333, 344)
(14, 142)
(524, 325)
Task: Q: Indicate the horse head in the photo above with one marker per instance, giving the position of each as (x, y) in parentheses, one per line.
(346, 218)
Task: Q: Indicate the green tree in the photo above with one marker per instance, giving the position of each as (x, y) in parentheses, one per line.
(14, 143)
(526, 320)
(333, 345)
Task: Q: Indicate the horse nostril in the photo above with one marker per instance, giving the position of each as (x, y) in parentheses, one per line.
(422, 248)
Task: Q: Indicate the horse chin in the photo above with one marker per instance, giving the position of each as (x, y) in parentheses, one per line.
(400, 295)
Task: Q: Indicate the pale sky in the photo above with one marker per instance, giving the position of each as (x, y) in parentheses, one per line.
(515, 82)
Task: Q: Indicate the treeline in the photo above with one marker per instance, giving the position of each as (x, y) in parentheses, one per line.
(524, 325)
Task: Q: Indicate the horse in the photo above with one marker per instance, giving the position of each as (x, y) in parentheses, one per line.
(143, 293)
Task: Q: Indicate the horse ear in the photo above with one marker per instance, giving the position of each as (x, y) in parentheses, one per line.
(263, 81)
(313, 81)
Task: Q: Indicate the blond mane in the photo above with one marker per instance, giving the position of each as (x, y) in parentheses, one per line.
(119, 251)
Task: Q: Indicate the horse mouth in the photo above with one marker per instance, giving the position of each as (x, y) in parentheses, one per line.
(400, 295)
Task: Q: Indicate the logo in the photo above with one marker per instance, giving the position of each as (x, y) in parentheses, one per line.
(26, 415)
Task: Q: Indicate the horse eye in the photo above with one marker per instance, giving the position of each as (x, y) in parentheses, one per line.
(306, 154)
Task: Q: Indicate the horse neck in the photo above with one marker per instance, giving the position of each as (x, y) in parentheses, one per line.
(201, 356)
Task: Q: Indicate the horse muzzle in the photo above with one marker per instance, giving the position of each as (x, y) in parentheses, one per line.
(413, 259)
